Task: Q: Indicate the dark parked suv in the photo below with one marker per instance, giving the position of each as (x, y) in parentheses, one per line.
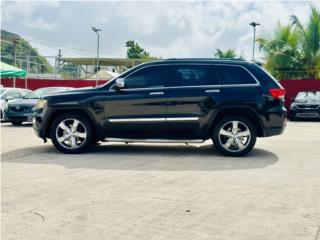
(231, 102)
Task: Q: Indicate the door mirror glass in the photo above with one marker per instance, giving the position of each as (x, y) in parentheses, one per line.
(120, 84)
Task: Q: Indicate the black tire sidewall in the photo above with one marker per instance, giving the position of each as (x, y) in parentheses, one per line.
(84, 121)
(247, 122)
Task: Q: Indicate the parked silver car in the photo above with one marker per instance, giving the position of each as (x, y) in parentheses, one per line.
(7, 94)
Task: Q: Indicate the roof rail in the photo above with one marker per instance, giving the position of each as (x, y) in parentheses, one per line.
(218, 59)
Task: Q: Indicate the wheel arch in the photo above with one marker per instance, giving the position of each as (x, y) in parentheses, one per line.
(246, 112)
(58, 112)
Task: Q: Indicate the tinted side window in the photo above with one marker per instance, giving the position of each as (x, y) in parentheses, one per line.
(149, 77)
(234, 75)
(192, 75)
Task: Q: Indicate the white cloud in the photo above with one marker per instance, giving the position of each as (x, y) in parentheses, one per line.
(166, 29)
(41, 24)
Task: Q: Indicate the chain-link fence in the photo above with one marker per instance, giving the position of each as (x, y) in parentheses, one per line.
(38, 70)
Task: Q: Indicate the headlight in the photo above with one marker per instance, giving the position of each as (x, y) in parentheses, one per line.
(41, 103)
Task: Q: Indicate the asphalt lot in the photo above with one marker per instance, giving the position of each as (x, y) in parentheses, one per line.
(140, 191)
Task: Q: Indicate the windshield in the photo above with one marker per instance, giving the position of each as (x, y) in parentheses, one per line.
(2, 90)
(44, 91)
(308, 96)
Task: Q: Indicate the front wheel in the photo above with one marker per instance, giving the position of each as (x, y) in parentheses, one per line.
(71, 133)
(234, 136)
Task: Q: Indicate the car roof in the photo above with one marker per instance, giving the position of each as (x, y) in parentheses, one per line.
(54, 87)
(232, 61)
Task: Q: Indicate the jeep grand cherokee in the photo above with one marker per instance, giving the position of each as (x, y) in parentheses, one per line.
(231, 102)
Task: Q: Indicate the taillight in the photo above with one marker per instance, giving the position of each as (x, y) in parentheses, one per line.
(277, 93)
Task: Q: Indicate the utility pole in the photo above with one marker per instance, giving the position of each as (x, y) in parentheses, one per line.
(15, 42)
(57, 63)
(96, 30)
(254, 24)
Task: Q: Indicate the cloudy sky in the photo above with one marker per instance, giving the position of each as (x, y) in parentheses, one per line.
(164, 28)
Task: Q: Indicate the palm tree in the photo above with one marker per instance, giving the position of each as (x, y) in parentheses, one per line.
(230, 53)
(283, 58)
(294, 52)
(310, 42)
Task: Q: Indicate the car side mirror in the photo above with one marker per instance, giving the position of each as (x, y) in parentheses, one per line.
(120, 84)
(9, 98)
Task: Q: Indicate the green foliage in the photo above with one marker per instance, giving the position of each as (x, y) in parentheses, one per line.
(294, 50)
(69, 70)
(134, 51)
(24, 49)
(230, 53)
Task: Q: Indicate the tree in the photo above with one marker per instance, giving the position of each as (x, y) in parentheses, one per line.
(135, 51)
(294, 50)
(23, 50)
(230, 53)
(310, 42)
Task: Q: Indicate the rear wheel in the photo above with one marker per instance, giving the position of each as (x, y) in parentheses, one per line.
(16, 123)
(234, 136)
(71, 133)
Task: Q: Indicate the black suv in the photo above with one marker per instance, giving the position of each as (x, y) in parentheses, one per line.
(305, 105)
(231, 102)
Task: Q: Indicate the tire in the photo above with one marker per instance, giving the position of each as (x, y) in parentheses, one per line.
(16, 123)
(292, 117)
(227, 139)
(71, 133)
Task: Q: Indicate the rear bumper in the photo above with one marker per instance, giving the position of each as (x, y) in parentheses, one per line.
(273, 131)
(275, 122)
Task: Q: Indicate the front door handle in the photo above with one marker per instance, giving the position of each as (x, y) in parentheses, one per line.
(156, 93)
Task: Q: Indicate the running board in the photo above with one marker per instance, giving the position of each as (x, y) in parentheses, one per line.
(131, 140)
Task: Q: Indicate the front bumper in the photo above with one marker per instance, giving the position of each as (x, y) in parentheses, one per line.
(40, 122)
(17, 116)
(305, 113)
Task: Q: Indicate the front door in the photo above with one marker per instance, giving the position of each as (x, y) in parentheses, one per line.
(138, 110)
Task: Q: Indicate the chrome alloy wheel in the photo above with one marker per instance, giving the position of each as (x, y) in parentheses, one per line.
(234, 136)
(71, 133)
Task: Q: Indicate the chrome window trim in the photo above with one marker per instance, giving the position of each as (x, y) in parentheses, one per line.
(173, 119)
(195, 86)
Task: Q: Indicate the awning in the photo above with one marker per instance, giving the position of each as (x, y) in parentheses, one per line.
(7, 70)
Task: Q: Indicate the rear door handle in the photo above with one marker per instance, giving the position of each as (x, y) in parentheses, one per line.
(156, 93)
(213, 91)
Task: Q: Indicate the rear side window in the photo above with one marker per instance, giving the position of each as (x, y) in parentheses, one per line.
(192, 75)
(149, 77)
(234, 75)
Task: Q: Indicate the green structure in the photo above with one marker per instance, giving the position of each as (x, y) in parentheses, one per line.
(7, 70)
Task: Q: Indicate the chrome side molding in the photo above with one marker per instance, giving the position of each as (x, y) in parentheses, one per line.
(176, 119)
(115, 120)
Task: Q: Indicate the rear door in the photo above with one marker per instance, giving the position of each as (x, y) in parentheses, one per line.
(193, 95)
